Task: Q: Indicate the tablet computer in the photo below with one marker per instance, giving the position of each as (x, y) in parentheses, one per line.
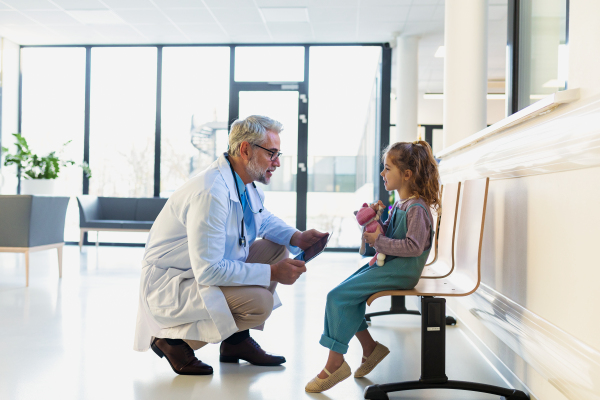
(314, 250)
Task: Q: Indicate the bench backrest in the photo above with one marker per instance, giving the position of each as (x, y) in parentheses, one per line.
(119, 208)
(433, 254)
(470, 230)
(444, 263)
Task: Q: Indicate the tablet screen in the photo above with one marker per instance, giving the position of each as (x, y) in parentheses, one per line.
(313, 250)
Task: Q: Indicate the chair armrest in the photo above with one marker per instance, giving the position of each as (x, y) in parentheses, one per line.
(89, 209)
(15, 213)
(47, 223)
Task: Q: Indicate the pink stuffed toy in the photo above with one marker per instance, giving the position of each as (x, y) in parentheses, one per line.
(367, 218)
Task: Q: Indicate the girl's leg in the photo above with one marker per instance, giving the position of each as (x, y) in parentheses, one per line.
(334, 361)
(367, 342)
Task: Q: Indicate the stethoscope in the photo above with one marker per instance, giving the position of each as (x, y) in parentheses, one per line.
(242, 240)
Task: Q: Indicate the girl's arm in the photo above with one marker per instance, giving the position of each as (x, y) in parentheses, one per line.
(418, 233)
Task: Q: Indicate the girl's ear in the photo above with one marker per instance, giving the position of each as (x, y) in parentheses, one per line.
(407, 175)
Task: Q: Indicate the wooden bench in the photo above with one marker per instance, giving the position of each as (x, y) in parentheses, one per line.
(463, 280)
(443, 248)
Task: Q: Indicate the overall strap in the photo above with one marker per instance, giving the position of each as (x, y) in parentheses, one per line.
(420, 205)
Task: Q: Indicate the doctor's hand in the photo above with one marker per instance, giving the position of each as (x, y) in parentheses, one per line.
(307, 238)
(287, 271)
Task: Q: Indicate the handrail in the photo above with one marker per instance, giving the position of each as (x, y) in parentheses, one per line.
(543, 106)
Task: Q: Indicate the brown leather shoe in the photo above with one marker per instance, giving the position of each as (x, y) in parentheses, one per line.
(181, 358)
(250, 351)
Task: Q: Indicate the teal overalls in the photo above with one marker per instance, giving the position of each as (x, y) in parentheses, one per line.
(346, 303)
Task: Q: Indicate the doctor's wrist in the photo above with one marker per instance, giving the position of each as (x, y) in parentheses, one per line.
(295, 239)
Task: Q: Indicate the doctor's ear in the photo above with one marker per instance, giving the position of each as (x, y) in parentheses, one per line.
(245, 150)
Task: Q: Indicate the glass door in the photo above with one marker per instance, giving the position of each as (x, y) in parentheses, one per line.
(278, 89)
(281, 198)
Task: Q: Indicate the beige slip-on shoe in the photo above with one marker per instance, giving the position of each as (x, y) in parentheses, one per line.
(378, 354)
(317, 385)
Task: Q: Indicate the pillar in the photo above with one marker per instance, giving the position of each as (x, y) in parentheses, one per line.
(407, 89)
(465, 69)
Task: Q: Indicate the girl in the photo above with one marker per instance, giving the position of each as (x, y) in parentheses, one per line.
(405, 238)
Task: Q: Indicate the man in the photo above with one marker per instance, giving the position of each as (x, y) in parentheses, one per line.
(205, 279)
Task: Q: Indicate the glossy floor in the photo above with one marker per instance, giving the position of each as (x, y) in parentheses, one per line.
(72, 338)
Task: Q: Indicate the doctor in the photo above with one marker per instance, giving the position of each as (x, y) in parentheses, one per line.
(207, 277)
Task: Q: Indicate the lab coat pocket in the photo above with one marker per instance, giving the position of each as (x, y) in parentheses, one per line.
(163, 288)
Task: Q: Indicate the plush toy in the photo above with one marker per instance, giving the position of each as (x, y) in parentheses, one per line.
(367, 218)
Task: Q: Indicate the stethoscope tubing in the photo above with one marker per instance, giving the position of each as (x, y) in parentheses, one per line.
(242, 240)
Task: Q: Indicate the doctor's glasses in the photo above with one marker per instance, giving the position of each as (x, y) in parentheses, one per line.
(274, 154)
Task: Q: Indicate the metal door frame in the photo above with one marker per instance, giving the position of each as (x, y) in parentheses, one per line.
(302, 88)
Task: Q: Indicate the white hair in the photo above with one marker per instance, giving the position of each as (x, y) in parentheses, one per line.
(253, 130)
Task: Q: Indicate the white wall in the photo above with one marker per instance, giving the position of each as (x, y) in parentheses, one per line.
(10, 109)
(431, 111)
(542, 230)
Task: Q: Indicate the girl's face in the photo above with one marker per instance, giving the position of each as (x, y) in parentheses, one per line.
(393, 178)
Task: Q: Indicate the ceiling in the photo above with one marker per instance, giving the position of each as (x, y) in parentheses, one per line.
(247, 21)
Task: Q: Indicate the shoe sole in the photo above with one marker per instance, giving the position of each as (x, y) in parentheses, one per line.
(235, 360)
(161, 355)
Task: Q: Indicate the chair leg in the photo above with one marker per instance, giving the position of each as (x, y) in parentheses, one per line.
(81, 235)
(97, 238)
(60, 257)
(26, 268)
(433, 360)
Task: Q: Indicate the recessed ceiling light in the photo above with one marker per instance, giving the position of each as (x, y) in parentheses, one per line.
(100, 17)
(441, 52)
(285, 14)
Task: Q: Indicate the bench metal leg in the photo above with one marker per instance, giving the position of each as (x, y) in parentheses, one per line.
(399, 307)
(433, 360)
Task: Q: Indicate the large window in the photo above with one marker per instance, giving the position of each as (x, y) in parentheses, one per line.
(195, 101)
(543, 52)
(342, 138)
(123, 121)
(143, 140)
(53, 114)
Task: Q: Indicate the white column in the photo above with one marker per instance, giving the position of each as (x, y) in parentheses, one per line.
(407, 87)
(465, 69)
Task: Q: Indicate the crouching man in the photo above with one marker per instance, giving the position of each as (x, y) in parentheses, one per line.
(206, 278)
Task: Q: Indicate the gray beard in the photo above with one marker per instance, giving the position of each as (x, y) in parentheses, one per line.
(255, 172)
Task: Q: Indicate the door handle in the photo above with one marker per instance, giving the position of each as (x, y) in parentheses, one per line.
(302, 167)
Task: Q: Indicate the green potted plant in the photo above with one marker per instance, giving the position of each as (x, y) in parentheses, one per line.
(37, 173)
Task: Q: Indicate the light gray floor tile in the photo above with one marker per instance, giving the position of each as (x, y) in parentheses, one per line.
(72, 338)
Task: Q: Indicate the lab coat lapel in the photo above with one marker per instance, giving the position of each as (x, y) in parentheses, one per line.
(225, 171)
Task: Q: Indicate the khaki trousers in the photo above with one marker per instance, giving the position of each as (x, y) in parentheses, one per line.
(252, 305)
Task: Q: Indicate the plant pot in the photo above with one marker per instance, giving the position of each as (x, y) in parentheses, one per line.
(37, 186)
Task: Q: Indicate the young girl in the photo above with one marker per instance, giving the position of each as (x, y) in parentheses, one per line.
(405, 238)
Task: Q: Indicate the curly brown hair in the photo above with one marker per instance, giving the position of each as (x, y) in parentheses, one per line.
(418, 158)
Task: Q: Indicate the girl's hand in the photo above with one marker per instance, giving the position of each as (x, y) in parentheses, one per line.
(370, 238)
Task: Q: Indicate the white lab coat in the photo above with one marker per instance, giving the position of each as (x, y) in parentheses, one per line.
(195, 241)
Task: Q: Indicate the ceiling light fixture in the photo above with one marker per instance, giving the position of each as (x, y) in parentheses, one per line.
(96, 17)
(284, 14)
